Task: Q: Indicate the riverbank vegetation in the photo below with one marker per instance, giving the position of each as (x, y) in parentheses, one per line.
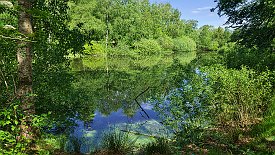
(62, 61)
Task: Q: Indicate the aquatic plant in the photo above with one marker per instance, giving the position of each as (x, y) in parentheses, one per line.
(116, 142)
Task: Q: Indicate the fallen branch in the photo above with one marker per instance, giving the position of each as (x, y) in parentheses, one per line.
(139, 104)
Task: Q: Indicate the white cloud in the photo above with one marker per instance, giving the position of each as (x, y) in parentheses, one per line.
(195, 11)
(204, 8)
(199, 10)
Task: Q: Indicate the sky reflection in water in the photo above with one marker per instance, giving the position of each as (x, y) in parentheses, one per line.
(89, 133)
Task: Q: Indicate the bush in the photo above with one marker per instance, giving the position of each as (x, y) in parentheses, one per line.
(94, 48)
(240, 96)
(166, 43)
(215, 96)
(147, 46)
(121, 50)
(264, 132)
(11, 140)
(184, 44)
(116, 142)
(10, 131)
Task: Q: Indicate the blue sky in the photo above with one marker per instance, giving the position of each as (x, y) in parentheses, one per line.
(196, 9)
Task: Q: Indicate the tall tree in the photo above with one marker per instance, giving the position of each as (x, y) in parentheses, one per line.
(253, 18)
(205, 39)
(24, 58)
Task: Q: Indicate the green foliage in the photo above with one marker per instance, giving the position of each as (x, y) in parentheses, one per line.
(10, 130)
(255, 26)
(50, 144)
(94, 48)
(186, 109)
(214, 96)
(184, 44)
(161, 147)
(211, 39)
(83, 16)
(258, 59)
(221, 36)
(166, 43)
(11, 142)
(208, 59)
(128, 21)
(52, 42)
(265, 130)
(141, 37)
(147, 47)
(51, 77)
(241, 96)
(117, 142)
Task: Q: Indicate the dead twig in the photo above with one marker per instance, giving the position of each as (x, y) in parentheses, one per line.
(139, 104)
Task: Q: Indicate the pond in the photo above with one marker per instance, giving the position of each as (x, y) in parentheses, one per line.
(121, 94)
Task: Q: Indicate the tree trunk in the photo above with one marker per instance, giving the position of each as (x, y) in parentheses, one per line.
(24, 57)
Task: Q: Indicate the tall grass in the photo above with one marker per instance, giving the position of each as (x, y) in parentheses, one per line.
(160, 147)
(116, 142)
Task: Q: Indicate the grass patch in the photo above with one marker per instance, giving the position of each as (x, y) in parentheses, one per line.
(159, 147)
(116, 142)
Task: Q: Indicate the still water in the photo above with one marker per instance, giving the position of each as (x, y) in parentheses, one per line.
(115, 96)
(88, 134)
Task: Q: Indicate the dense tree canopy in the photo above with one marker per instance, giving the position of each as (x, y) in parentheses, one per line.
(254, 20)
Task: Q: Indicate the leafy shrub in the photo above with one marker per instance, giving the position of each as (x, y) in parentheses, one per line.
(240, 96)
(226, 47)
(266, 128)
(147, 46)
(121, 50)
(11, 140)
(77, 64)
(94, 48)
(215, 96)
(10, 130)
(166, 43)
(184, 44)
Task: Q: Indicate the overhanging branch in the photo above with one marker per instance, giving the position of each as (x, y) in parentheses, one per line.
(20, 39)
